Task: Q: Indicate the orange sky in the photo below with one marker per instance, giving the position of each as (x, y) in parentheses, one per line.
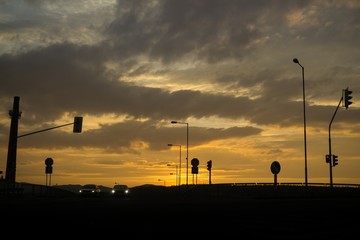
(226, 68)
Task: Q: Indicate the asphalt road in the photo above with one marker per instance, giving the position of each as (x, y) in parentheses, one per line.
(261, 218)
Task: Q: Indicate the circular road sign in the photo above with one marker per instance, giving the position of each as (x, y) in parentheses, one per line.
(49, 161)
(275, 167)
(195, 162)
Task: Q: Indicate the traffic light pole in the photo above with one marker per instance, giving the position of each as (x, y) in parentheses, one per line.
(330, 155)
(12, 147)
(209, 167)
(210, 176)
(15, 114)
(47, 129)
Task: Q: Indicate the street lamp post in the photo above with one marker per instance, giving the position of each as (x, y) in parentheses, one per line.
(170, 145)
(187, 148)
(176, 174)
(163, 181)
(295, 60)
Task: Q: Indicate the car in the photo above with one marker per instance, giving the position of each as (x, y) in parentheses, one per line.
(90, 190)
(120, 190)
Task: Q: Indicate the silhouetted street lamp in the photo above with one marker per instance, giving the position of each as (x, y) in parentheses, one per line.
(187, 148)
(170, 145)
(163, 181)
(176, 173)
(295, 60)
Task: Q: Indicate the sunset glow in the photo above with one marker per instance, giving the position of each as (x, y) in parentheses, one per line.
(226, 68)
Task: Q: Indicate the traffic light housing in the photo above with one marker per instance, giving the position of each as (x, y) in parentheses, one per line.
(209, 165)
(327, 158)
(347, 97)
(335, 160)
(77, 124)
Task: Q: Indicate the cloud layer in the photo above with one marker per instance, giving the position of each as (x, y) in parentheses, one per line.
(224, 67)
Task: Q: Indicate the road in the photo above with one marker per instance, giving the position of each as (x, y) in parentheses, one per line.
(249, 218)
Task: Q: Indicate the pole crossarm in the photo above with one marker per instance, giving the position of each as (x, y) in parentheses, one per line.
(47, 129)
(332, 119)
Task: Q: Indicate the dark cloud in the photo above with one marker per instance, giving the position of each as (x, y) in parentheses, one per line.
(207, 30)
(130, 137)
(69, 78)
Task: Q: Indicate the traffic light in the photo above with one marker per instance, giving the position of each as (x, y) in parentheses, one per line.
(209, 165)
(347, 97)
(77, 124)
(327, 158)
(335, 160)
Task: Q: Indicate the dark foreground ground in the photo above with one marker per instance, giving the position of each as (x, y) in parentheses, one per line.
(247, 213)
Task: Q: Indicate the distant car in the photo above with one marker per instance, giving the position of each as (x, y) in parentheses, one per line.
(90, 190)
(120, 190)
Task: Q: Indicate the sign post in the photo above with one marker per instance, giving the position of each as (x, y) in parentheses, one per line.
(275, 169)
(195, 169)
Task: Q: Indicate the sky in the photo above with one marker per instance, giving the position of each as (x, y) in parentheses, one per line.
(223, 69)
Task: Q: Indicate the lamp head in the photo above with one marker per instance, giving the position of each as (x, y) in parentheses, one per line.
(295, 60)
(169, 144)
(174, 122)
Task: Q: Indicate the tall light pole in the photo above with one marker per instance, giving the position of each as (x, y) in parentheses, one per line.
(176, 173)
(170, 145)
(163, 181)
(295, 60)
(187, 148)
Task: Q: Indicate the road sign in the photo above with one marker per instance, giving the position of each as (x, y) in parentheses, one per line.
(195, 162)
(195, 170)
(49, 161)
(275, 167)
(48, 169)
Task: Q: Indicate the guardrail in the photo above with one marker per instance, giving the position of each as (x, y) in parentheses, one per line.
(297, 184)
(30, 189)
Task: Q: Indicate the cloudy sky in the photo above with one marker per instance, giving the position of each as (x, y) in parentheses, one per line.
(223, 69)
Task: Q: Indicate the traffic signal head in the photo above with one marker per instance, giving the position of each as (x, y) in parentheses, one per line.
(77, 124)
(209, 165)
(327, 158)
(347, 97)
(335, 160)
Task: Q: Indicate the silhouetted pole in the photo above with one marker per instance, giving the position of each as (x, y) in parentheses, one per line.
(275, 180)
(187, 153)
(330, 156)
(180, 165)
(210, 176)
(187, 148)
(295, 60)
(12, 147)
(170, 144)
